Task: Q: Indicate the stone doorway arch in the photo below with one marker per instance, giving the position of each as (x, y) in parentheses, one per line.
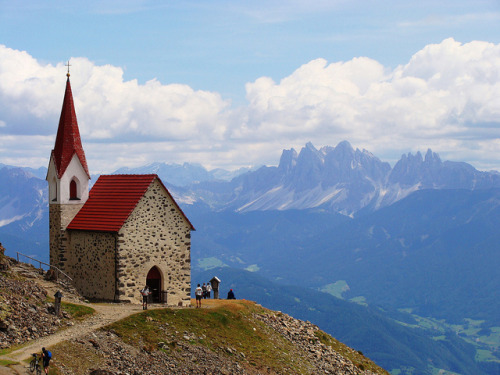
(153, 281)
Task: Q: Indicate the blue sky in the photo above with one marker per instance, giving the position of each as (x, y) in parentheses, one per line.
(230, 84)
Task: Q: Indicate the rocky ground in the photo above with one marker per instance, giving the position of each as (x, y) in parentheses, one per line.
(25, 313)
(116, 357)
(316, 344)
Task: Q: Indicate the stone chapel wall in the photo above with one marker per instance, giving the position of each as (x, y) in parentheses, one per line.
(155, 234)
(91, 264)
(60, 215)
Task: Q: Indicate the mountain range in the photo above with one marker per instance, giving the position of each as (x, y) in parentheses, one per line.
(338, 179)
(183, 174)
(418, 239)
(334, 179)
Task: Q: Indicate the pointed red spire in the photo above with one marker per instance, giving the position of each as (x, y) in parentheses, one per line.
(68, 140)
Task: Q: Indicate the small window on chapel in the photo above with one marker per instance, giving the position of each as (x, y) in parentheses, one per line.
(53, 191)
(73, 195)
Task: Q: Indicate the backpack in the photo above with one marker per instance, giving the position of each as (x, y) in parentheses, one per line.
(49, 354)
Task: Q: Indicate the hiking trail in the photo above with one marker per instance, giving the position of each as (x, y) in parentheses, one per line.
(105, 313)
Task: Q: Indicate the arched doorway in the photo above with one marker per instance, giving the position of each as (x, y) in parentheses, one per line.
(153, 280)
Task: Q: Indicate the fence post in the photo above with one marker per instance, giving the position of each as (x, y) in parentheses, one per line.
(57, 303)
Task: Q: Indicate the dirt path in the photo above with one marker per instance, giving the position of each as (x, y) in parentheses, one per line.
(106, 313)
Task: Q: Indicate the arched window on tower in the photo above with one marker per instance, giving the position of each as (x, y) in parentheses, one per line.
(73, 191)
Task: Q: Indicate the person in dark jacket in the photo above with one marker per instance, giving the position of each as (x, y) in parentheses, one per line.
(46, 360)
(230, 294)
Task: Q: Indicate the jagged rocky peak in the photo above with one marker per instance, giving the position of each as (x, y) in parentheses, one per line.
(309, 151)
(342, 150)
(308, 162)
(288, 160)
(412, 170)
(414, 160)
(341, 157)
(417, 159)
(344, 147)
(432, 158)
(403, 172)
(326, 149)
(368, 153)
(308, 169)
(343, 154)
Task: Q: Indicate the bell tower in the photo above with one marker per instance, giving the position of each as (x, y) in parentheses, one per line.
(68, 177)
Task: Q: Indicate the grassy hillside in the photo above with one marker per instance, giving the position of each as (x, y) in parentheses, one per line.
(227, 337)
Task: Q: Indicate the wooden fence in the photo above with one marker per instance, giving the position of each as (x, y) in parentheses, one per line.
(40, 265)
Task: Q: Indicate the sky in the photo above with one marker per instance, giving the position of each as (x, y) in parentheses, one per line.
(230, 84)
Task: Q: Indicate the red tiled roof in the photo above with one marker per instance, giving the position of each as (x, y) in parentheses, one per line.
(68, 140)
(112, 200)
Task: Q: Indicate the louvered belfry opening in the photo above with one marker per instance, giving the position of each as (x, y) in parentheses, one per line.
(153, 280)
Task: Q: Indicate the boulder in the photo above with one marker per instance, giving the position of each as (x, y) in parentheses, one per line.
(51, 275)
(4, 262)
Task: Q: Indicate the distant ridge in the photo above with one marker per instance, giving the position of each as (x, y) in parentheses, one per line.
(337, 179)
(340, 179)
(183, 174)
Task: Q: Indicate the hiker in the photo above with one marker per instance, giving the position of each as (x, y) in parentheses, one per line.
(230, 294)
(209, 289)
(204, 290)
(198, 293)
(46, 357)
(145, 293)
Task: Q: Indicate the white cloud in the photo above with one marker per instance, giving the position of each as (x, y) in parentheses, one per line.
(113, 108)
(25, 151)
(447, 97)
(447, 91)
(107, 106)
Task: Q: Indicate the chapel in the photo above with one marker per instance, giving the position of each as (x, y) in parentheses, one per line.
(123, 234)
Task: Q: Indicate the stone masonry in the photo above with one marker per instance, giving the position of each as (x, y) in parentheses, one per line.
(155, 234)
(60, 215)
(114, 266)
(92, 263)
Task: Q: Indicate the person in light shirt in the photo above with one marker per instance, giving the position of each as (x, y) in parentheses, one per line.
(199, 294)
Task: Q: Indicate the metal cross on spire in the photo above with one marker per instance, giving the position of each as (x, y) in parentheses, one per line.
(68, 65)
